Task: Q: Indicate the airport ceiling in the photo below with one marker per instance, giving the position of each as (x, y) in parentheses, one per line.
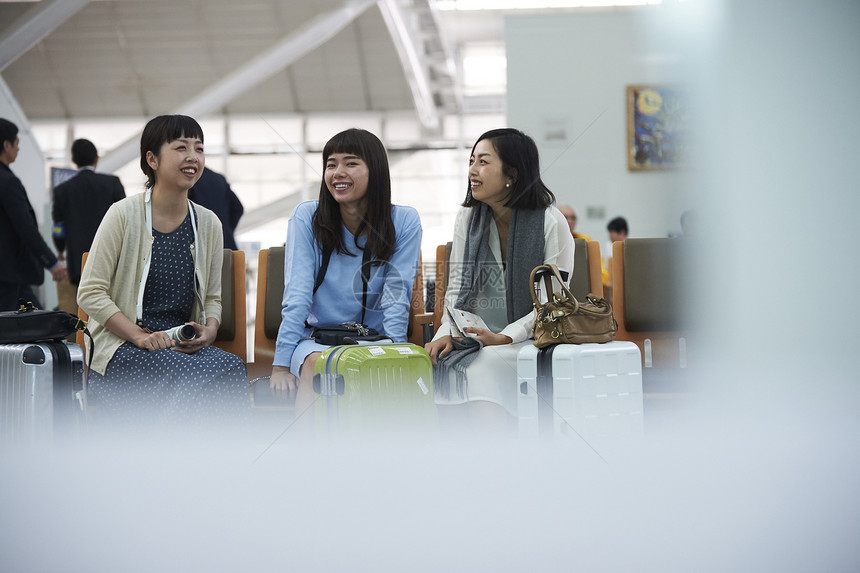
(67, 59)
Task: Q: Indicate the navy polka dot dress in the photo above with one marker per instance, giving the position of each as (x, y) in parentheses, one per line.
(168, 386)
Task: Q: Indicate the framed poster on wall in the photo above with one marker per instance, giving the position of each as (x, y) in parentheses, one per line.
(656, 127)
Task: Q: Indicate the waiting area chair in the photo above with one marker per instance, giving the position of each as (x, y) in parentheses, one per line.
(270, 293)
(233, 330)
(586, 255)
(650, 298)
(420, 328)
(443, 257)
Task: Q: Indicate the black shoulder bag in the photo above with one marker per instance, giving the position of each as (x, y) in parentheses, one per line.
(29, 324)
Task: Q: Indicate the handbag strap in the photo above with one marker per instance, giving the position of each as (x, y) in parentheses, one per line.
(547, 272)
(365, 278)
(326, 257)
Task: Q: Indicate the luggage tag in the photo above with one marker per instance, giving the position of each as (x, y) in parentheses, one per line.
(423, 386)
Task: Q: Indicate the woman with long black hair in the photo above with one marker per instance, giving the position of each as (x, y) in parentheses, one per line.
(352, 225)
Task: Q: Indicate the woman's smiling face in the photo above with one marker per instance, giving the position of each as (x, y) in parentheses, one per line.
(179, 163)
(487, 179)
(346, 177)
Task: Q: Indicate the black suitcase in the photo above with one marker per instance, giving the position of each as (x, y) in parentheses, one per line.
(43, 392)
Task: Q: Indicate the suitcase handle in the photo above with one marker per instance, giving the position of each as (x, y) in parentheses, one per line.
(329, 385)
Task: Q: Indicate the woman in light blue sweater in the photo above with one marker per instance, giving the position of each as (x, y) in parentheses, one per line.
(352, 220)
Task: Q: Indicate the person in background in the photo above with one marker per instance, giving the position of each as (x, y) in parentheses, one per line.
(23, 252)
(352, 220)
(505, 227)
(617, 229)
(570, 215)
(155, 264)
(80, 203)
(213, 192)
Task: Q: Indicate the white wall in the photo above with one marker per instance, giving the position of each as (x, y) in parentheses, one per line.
(30, 168)
(569, 68)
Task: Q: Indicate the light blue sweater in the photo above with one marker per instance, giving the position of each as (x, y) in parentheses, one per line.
(338, 298)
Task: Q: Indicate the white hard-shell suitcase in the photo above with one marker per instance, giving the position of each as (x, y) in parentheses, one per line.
(590, 390)
(43, 392)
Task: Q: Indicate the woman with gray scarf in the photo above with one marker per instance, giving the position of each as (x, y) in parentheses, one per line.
(506, 226)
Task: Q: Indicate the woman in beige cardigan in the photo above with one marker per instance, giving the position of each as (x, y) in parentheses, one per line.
(155, 264)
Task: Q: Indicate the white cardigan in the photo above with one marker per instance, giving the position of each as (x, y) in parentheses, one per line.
(114, 270)
(558, 250)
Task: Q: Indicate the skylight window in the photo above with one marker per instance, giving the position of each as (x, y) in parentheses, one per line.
(484, 69)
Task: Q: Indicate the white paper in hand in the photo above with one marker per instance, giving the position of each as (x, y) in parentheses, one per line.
(462, 319)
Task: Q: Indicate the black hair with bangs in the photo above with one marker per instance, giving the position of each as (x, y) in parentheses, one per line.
(377, 223)
(164, 129)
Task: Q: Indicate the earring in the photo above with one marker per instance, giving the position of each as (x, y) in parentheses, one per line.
(508, 185)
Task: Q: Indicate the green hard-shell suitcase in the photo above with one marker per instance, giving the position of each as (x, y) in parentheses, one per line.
(374, 387)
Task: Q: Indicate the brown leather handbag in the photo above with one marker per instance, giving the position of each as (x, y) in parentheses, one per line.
(565, 320)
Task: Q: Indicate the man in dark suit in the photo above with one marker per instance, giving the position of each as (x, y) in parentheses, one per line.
(23, 252)
(213, 192)
(80, 205)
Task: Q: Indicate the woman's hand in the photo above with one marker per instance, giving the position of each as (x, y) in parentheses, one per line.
(282, 384)
(205, 337)
(439, 348)
(153, 341)
(488, 337)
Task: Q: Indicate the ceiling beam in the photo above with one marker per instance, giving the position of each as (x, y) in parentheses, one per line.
(274, 210)
(290, 49)
(34, 26)
(414, 65)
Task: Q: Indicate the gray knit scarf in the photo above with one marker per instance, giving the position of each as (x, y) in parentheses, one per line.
(525, 252)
